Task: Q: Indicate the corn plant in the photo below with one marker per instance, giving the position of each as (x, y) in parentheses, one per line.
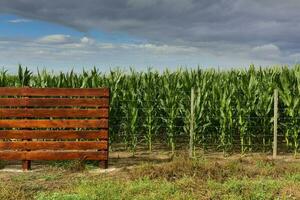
(201, 119)
(131, 109)
(226, 119)
(91, 79)
(289, 94)
(24, 76)
(171, 105)
(150, 105)
(264, 106)
(115, 81)
(246, 102)
(44, 79)
(3, 78)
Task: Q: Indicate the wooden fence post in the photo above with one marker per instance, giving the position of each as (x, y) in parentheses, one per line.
(104, 164)
(192, 119)
(26, 164)
(275, 123)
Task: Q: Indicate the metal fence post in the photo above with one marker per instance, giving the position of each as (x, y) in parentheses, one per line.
(191, 149)
(275, 123)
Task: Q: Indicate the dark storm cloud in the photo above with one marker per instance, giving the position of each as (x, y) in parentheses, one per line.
(213, 24)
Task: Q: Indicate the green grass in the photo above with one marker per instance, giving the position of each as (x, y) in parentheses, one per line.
(115, 190)
(235, 189)
(240, 189)
(237, 178)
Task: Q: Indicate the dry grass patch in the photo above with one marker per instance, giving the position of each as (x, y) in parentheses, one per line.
(11, 191)
(221, 170)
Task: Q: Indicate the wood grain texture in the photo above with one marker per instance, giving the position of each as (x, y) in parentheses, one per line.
(54, 102)
(11, 91)
(37, 113)
(53, 155)
(50, 134)
(27, 105)
(58, 145)
(56, 123)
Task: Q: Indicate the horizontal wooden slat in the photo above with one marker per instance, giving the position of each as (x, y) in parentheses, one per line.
(46, 102)
(64, 123)
(52, 155)
(10, 91)
(36, 113)
(58, 145)
(50, 134)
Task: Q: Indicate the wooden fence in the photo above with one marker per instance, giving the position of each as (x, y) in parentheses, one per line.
(54, 124)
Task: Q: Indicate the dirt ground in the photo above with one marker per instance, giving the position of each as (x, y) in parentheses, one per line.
(125, 159)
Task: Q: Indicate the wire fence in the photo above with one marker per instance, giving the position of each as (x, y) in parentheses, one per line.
(144, 122)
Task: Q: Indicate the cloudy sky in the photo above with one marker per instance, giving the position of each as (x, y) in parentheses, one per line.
(65, 34)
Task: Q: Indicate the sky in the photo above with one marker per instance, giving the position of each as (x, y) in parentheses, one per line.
(75, 34)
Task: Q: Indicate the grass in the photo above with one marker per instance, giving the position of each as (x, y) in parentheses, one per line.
(11, 191)
(114, 190)
(231, 178)
(70, 165)
(245, 189)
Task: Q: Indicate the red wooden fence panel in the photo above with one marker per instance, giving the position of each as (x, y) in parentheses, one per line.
(54, 124)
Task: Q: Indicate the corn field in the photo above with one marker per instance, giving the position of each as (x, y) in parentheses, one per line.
(233, 109)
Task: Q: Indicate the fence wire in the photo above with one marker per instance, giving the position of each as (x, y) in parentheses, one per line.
(142, 122)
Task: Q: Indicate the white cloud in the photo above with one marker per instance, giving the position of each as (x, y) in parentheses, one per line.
(267, 47)
(55, 39)
(295, 58)
(87, 41)
(19, 21)
(267, 51)
(166, 49)
(57, 51)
